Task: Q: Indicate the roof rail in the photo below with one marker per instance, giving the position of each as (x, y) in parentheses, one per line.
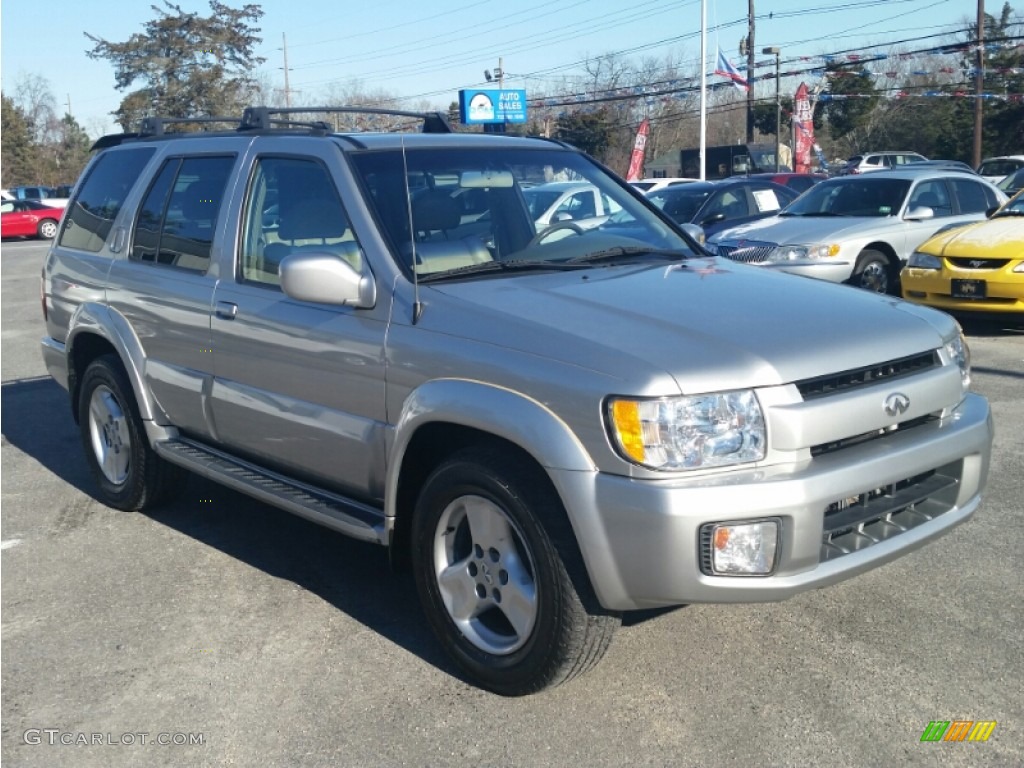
(261, 118)
(155, 126)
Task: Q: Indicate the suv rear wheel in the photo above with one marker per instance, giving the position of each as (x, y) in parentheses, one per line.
(129, 473)
(494, 559)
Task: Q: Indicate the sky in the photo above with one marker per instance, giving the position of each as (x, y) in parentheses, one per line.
(426, 52)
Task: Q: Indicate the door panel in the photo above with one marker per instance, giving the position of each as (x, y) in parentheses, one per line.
(298, 387)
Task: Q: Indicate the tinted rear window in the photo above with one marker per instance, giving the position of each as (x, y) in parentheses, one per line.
(91, 214)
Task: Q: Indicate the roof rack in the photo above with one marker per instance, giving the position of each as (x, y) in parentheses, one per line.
(263, 119)
(260, 118)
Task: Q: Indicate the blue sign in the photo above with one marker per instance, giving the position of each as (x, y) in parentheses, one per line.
(492, 107)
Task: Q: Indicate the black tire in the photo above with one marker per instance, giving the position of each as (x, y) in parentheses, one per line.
(128, 472)
(526, 548)
(873, 272)
(47, 229)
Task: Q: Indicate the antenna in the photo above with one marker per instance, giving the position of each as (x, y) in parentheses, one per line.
(417, 307)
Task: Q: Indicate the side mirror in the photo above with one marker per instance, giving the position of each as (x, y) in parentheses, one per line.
(561, 216)
(695, 232)
(712, 219)
(921, 213)
(992, 210)
(326, 278)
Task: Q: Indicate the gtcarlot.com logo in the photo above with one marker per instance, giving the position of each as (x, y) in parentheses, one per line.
(55, 736)
(958, 730)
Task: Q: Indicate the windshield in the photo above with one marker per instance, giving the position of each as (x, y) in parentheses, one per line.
(857, 196)
(478, 207)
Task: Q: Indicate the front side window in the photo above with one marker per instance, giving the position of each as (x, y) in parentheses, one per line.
(176, 221)
(292, 206)
(91, 214)
(931, 194)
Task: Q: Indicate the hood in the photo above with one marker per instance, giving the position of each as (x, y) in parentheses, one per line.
(1001, 237)
(709, 323)
(804, 230)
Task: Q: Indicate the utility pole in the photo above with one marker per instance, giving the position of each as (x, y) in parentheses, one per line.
(69, 105)
(287, 90)
(778, 106)
(750, 71)
(979, 84)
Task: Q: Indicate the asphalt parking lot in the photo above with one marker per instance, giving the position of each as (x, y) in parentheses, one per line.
(220, 631)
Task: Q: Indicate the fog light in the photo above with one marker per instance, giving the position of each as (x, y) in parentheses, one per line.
(743, 549)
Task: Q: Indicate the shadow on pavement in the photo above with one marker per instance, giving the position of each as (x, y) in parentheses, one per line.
(353, 576)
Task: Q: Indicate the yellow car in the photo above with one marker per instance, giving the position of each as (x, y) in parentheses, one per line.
(975, 268)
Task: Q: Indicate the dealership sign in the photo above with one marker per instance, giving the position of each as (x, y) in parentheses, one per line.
(478, 107)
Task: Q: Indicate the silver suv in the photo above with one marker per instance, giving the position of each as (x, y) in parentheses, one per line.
(551, 426)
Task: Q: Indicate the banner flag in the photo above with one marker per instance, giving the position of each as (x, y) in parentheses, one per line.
(636, 161)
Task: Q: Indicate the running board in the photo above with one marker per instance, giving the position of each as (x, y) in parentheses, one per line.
(353, 518)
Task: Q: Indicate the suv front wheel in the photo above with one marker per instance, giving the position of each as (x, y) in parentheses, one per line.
(494, 560)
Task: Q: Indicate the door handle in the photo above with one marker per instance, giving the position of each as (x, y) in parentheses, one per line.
(227, 310)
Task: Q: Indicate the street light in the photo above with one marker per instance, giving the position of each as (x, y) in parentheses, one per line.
(778, 105)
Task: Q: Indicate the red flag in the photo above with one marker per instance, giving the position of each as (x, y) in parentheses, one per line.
(803, 130)
(636, 161)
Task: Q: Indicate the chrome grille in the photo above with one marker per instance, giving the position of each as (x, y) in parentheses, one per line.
(749, 254)
(863, 520)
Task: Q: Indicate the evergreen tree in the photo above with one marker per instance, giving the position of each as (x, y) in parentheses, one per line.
(186, 64)
(17, 148)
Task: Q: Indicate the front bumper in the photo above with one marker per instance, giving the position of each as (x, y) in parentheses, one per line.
(640, 538)
(1004, 290)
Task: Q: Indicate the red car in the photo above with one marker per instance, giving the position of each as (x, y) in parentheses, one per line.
(28, 218)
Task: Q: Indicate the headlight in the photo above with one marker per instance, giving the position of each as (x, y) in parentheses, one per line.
(920, 260)
(1019, 267)
(801, 252)
(959, 353)
(695, 432)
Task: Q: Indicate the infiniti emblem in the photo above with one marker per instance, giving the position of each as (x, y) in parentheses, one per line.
(896, 403)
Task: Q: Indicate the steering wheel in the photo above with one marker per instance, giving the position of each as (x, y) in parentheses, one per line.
(539, 237)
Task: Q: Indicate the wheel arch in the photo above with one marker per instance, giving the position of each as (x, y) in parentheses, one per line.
(886, 250)
(445, 416)
(96, 331)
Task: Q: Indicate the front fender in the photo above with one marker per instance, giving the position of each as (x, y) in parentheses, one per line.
(496, 410)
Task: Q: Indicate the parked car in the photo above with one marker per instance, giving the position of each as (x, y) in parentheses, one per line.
(860, 229)
(798, 182)
(1013, 183)
(975, 268)
(568, 201)
(47, 195)
(995, 169)
(876, 161)
(715, 205)
(652, 185)
(548, 430)
(28, 218)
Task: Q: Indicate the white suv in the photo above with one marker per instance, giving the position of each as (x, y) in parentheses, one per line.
(877, 161)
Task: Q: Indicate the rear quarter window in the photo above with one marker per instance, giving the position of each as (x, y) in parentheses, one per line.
(91, 214)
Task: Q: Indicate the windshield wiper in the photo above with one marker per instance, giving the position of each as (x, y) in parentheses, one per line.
(610, 254)
(495, 266)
